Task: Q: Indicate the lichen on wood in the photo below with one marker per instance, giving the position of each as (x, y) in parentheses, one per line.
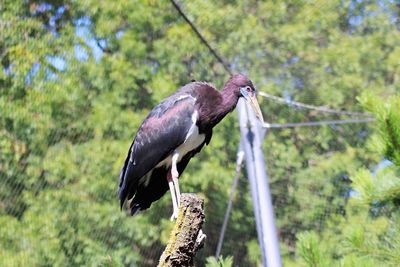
(183, 243)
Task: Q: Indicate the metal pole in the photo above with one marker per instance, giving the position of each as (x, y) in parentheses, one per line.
(251, 131)
(256, 206)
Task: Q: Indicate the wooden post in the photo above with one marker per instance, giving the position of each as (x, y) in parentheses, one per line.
(183, 242)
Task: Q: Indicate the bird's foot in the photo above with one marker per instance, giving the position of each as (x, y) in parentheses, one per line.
(201, 237)
(174, 215)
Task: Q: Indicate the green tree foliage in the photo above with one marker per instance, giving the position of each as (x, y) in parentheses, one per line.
(369, 233)
(78, 77)
(221, 262)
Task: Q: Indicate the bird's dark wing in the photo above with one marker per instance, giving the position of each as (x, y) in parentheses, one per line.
(163, 130)
(154, 188)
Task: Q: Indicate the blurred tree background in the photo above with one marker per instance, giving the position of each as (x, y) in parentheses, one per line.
(78, 78)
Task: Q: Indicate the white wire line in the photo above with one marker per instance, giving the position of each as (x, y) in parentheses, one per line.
(315, 123)
(316, 108)
(239, 164)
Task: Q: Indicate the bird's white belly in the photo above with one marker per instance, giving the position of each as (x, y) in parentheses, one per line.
(193, 140)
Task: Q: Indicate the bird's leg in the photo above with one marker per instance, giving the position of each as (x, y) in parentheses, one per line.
(173, 196)
(175, 176)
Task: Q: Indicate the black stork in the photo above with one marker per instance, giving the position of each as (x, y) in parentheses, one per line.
(173, 132)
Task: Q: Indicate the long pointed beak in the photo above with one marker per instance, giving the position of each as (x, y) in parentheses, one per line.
(252, 99)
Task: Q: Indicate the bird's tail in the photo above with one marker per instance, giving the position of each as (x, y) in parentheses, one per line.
(122, 187)
(135, 208)
(123, 181)
(125, 191)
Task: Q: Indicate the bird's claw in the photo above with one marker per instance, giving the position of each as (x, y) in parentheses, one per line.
(200, 237)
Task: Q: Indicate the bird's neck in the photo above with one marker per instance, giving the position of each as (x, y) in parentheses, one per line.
(227, 103)
(229, 100)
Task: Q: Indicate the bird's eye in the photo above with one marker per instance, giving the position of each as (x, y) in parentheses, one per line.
(248, 89)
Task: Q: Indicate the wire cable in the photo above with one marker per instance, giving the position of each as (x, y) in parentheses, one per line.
(316, 108)
(276, 98)
(315, 123)
(202, 39)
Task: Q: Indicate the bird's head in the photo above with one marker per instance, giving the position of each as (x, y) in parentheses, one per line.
(245, 88)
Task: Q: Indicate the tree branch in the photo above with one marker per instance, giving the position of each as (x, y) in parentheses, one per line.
(183, 243)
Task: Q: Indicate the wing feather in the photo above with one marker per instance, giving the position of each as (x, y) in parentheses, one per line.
(164, 129)
(155, 188)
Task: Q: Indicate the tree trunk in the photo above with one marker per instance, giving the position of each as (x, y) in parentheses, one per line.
(183, 242)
